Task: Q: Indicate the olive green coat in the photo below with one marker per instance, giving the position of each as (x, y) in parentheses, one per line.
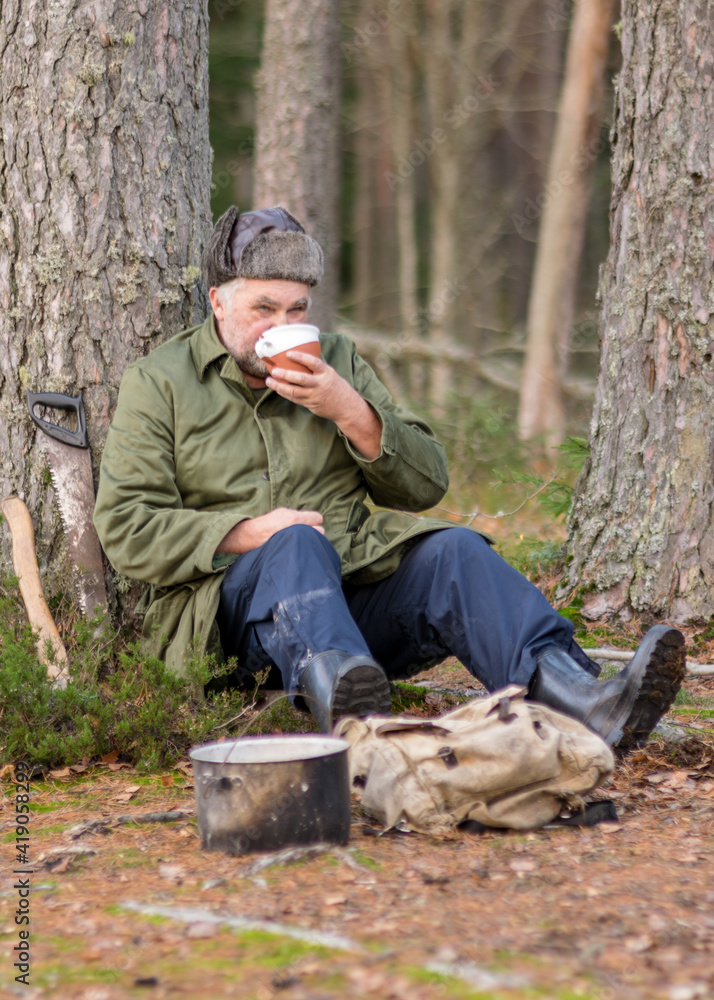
(193, 450)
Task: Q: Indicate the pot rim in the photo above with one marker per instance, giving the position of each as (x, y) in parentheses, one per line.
(269, 749)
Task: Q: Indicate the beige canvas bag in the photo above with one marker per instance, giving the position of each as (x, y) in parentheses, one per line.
(501, 760)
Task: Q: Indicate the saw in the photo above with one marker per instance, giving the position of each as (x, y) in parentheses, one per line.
(71, 471)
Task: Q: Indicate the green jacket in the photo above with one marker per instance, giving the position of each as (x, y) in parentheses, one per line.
(193, 450)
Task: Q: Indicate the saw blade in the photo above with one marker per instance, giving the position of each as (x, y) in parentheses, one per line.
(71, 471)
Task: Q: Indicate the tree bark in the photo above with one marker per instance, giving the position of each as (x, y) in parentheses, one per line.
(376, 290)
(401, 38)
(105, 170)
(641, 528)
(562, 230)
(297, 129)
(365, 152)
(443, 78)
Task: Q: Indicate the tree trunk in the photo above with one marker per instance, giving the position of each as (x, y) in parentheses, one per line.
(445, 76)
(401, 37)
(368, 136)
(365, 147)
(562, 230)
(641, 528)
(297, 129)
(105, 171)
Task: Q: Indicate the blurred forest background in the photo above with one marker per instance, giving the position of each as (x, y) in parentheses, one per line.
(447, 126)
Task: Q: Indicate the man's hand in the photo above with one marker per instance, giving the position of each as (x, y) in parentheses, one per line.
(254, 531)
(328, 395)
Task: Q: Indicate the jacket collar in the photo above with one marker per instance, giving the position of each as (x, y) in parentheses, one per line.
(207, 348)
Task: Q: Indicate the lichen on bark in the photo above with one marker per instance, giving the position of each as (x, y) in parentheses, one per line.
(105, 170)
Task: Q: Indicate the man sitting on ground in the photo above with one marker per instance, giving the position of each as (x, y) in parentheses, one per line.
(241, 498)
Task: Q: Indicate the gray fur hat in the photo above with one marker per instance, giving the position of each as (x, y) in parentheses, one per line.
(266, 244)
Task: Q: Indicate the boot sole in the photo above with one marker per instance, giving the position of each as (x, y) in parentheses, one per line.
(362, 690)
(662, 678)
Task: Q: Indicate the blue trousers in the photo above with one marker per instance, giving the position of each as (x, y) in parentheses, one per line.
(452, 595)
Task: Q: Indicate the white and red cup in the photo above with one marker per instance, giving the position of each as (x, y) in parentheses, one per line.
(273, 345)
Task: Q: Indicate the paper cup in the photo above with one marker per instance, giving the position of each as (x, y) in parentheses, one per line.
(274, 344)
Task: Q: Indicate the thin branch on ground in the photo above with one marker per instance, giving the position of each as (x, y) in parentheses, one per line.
(508, 513)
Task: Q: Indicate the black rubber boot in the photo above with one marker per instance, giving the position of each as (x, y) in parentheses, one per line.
(625, 709)
(335, 683)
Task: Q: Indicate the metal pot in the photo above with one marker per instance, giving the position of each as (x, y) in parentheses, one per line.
(266, 792)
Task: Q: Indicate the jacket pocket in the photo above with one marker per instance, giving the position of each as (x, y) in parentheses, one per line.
(356, 517)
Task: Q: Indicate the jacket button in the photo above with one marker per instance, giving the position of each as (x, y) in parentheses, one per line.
(266, 475)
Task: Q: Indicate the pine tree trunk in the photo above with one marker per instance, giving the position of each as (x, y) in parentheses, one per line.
(641, 528)
(402, 125)
(297, 129)
(445, 77)
(105, 170)
(376, 286)
(562, 230)
(365, 153)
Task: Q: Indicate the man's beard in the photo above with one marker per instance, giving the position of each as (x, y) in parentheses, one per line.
(250, 364)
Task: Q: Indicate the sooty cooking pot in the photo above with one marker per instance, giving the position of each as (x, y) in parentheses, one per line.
(267, 792)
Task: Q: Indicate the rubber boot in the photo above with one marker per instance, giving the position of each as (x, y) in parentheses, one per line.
(335, 683)
(625, 709)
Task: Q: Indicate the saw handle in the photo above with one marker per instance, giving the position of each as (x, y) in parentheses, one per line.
(58, 401)
(24, 560)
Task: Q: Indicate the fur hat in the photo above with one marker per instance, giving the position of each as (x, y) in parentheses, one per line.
(266, 244)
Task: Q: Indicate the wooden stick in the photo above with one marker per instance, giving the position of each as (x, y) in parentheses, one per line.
(24, 560)
(625, 655)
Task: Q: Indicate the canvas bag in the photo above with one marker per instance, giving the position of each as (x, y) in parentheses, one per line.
(502, 761)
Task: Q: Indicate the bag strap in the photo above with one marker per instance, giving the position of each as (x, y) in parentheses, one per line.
(599, 811)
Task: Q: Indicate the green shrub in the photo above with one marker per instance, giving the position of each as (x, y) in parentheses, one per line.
(116, 698)
(535, 558)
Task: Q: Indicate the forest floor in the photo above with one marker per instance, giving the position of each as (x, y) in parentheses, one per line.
(139, 910)
(619, 910)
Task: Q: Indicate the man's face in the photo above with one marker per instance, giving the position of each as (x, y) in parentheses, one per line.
(249, 310)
